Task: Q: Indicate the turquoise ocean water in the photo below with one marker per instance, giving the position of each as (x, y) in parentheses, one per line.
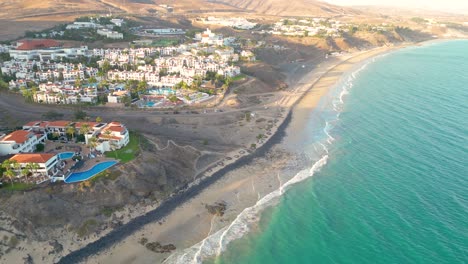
(394, 188)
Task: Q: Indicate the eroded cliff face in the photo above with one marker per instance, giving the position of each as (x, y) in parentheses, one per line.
(59, 211)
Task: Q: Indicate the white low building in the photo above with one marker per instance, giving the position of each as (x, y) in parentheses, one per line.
(20, 141)
(81, 25)
(109, 33)
(47, 162)
(48, 54)
(235, 22)
(117, 96)
(210, 38)
(165, 31)
(113, 136)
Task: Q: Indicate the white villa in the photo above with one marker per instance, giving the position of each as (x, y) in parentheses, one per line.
(52, 93)
(60, 126)
(248, 55)
(81, 25)
(20, 141)
(210, 38)
(47, 162)
(109, 33)
(117, 96)
(112, 136)
(117, 21)
(235, 22)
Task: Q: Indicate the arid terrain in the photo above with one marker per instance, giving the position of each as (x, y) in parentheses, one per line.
(177, 147)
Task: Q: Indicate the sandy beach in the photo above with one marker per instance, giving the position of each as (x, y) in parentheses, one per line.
(241, 187)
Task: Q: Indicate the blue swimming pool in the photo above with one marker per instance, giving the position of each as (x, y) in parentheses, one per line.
(66, 155)
(86, 175)
(164, 91)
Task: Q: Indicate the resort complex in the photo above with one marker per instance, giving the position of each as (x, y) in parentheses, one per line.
(45, 71)
(60, 150)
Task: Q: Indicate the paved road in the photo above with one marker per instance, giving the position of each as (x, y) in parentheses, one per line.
(13, 106)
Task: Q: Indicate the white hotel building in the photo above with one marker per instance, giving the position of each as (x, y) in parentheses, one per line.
(20, 141)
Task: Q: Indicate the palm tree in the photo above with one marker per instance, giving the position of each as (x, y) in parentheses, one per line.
(71, 131)
(107, 134)
(101, 74)
(8, 171)
(84, 129)
(6, 164)
(92, 143)
(35, 167)
(98, 119)
(25, 172)
(29, 167)
(10, 174)
(16, 166)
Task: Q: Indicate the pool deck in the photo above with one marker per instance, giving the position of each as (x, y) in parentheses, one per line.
(89, 163)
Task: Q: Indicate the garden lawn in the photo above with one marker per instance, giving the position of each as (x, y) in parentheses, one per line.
(17, 186)
(128, 152)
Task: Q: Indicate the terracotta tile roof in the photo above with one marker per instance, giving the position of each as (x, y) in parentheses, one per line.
(43, 124)
(109, 137)
(32, 157)
(18, 136)
(115, 128)
(120, 93)
(31, 44)
(32, 123)
(61, 123)
(91, 124)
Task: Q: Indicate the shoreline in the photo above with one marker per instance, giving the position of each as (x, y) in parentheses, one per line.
(167, 221)
(93, 252)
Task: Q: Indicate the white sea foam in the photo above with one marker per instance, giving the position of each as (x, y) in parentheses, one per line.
(327, 130)
(216, 243)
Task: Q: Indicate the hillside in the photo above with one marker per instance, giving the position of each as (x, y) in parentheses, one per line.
(27, 8)
(289, 8)
(16, 9)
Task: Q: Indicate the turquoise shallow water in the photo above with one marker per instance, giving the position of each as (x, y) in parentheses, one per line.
(395, 188)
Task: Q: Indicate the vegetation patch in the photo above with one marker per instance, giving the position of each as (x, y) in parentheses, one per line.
(158, 248)
(165, 42)
(17, 186)
(86, 228)
(128, 152)
(143, 241)
(218, 208)
(239, 77)
(108, 211)
(107, 174)
(13, 241)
